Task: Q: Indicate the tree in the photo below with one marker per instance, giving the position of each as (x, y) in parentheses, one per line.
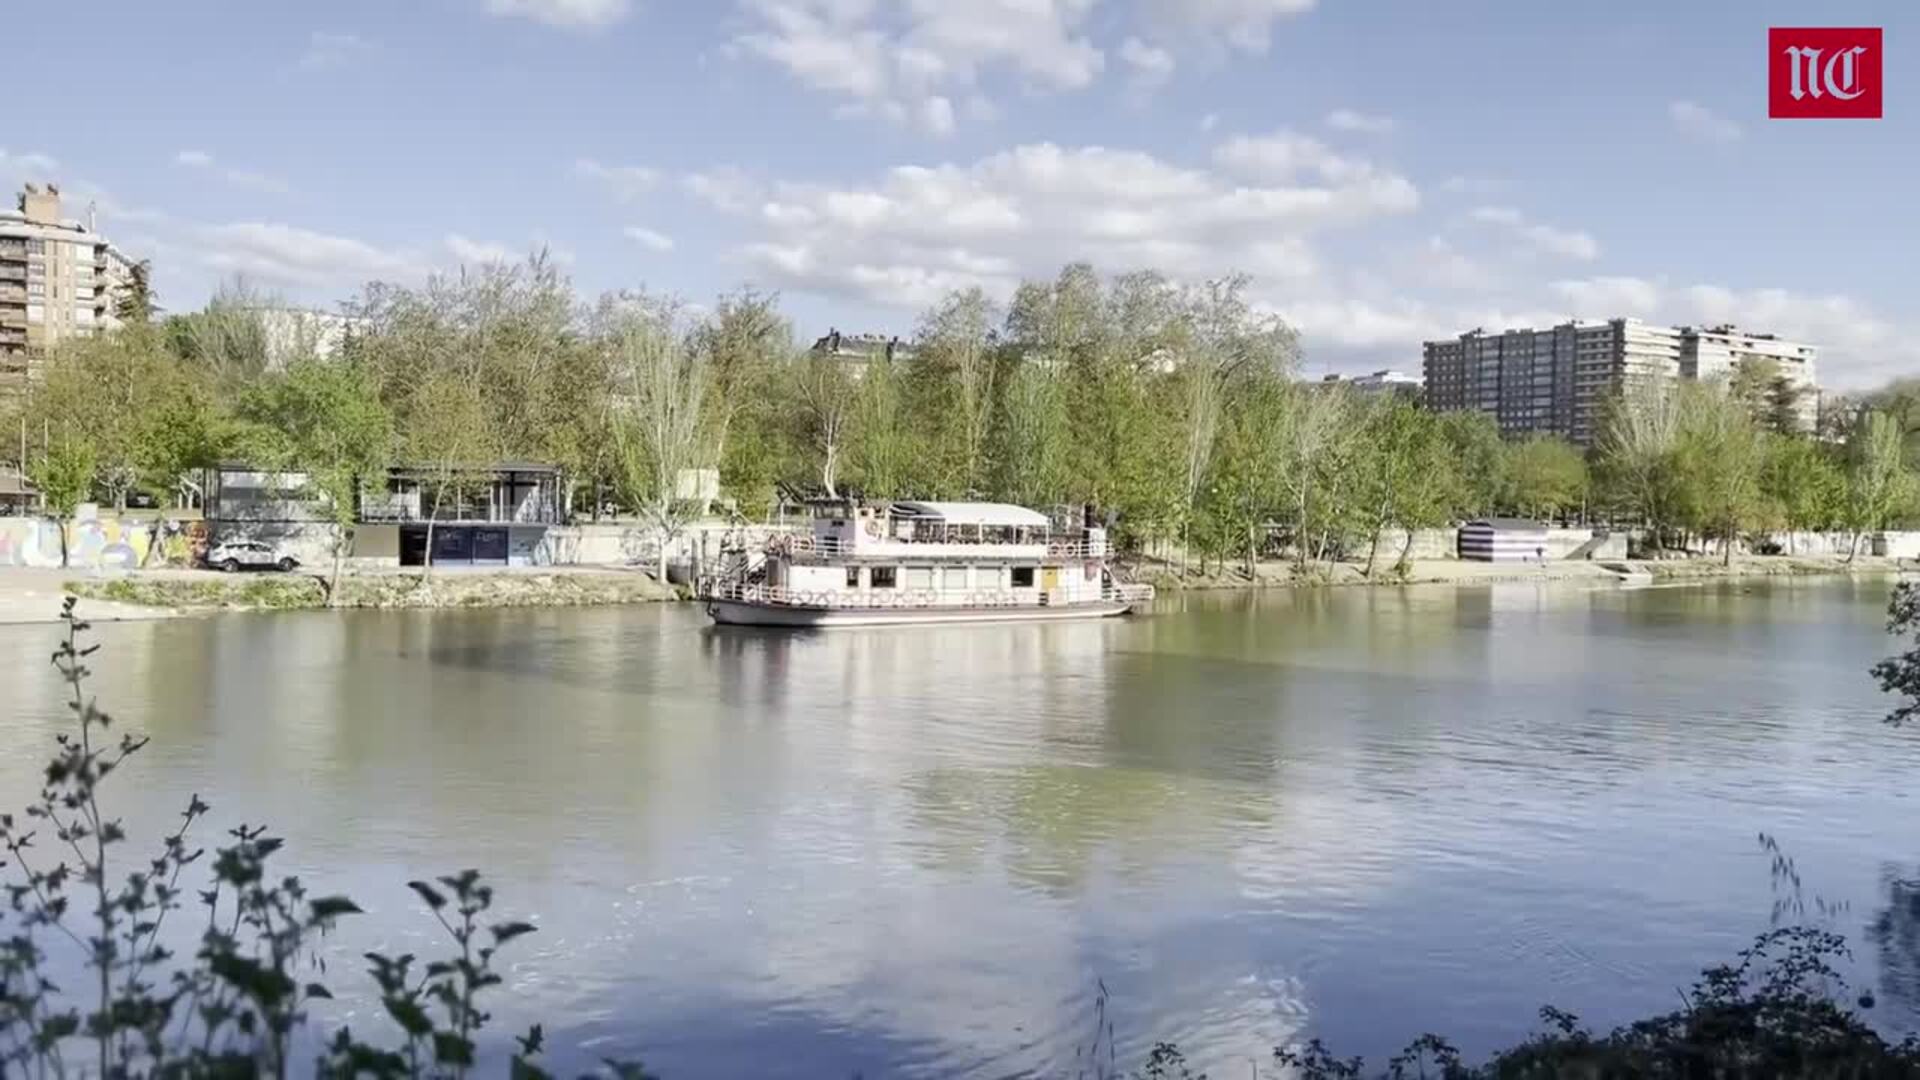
(1638, 438)
(325, 422)
(1320, 413)
(64, 475)
(1247, 481)
(452, 442)
(1030, 440)
(744, 337)
(122, 396)
(1720, 457)
(881, 445)
(1805, 485)
(1480, 462)
(660, 419)
(825, 393)
(1396, 481)
(955, 354)
(1546, 476)
(1878, 481)
(229, 340)
(134, 304)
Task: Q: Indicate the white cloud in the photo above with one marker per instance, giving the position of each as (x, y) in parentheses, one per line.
(569, 14)
(1545, 239)
(1151, 64)
(1697, 121)
(625, 182)
(917, 231)
(1364, 123)
(240, 178)
(648, 238)
(1285, 157)
(330, 50)
(725, 188)
(903, 59)
(1209, 121)
(1246, 25)
(28, 166)
(280, 254)
(468, 250)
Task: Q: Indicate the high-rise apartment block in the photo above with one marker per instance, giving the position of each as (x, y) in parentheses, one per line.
(58, 279)
(1718, 352)
(1555, 380)
(1558, 380)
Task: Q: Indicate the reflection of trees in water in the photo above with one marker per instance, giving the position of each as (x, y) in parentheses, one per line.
(1895, 934)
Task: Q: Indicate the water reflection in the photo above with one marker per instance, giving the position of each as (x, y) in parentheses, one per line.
(915, 851)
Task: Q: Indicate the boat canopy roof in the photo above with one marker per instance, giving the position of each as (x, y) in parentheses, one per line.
(990, 515)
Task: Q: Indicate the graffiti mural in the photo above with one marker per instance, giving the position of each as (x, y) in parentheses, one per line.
(101, 543)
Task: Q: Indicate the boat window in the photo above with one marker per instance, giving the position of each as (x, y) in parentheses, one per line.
(853, 577)
(1023, 577)
(919, 577)
(883, 576)
(953, 578)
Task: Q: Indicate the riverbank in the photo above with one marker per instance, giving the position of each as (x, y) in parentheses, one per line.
(1460, 572)
(31, 596)
(28, 596)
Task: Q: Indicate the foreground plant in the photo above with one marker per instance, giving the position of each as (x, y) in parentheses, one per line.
(239, 1006)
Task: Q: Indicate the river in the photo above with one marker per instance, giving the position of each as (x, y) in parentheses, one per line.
(1361, 814)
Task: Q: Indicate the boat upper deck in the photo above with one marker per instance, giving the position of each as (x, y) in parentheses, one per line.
(938, 532)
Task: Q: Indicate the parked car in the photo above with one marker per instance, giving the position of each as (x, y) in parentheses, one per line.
(237, 555)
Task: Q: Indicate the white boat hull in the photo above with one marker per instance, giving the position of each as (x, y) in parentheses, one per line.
(747, 613)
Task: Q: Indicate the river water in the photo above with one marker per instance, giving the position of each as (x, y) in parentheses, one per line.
(1361, 814)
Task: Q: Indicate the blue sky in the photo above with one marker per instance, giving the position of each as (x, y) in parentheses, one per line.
(1388, 171)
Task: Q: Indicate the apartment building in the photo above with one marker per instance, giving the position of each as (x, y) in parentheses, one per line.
(1555, 380)
(1717, 352)
(1378, 382)
(58, 279)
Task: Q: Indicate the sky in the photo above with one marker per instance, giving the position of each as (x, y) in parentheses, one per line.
(1387, 171)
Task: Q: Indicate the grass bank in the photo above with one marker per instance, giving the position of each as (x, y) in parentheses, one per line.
(288, 592)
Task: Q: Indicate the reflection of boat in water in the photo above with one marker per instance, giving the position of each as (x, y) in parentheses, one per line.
(923, 562)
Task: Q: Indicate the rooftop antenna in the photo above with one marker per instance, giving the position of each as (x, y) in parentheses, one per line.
(92, 208)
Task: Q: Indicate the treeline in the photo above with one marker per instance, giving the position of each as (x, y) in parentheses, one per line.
(1177, 409)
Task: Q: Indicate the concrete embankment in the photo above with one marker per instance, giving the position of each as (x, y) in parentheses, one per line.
(30, 596)
(35, 595)
(1459, 572)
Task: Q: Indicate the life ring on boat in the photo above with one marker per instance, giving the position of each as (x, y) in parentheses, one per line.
(923, 599)
(1056, 548)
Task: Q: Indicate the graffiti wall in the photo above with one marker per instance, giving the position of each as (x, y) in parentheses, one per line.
(98, 543)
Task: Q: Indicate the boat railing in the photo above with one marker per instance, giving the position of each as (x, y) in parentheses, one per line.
(868, 599)
(832, 547)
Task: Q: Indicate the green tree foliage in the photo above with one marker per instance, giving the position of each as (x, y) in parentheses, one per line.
(1545, 476)
(324, 423)
(452, 444)
(883, 446)
(1804, 484)
(1720, 454)
(1480, 463)
(1879, 483)
(144, 418)
(661, 417)
(953, 387)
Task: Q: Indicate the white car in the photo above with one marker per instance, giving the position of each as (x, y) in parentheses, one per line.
(237, 555)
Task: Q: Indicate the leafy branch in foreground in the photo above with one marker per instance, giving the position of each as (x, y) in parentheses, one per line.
(239, 1005)
(1901, 674)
